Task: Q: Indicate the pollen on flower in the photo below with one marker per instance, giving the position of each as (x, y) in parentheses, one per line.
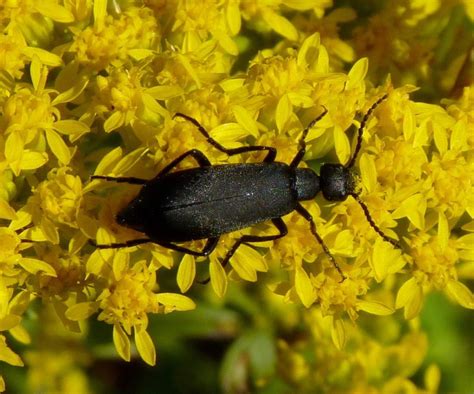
(9, 242)
(129, 298)
(435, 262)
(452, 180)
(251, 73)
(276, 76)
(12, 58)
(70, 275)
(59, 198)
(97, 47)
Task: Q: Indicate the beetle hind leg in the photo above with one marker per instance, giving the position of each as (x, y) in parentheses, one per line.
(271, 151)
(206, 250)
(244, 239)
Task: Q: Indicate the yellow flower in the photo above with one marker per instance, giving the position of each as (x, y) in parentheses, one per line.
(111, 42)
(55, 202)
(34, 19)
(196, 21)
(100, 66)
(58, 362)
(374, 360)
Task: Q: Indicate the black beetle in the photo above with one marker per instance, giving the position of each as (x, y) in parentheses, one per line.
(210, 200)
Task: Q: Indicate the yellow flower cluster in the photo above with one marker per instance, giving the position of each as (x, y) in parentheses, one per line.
(91, 87)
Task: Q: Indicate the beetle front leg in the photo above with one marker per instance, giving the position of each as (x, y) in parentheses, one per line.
(303, 212)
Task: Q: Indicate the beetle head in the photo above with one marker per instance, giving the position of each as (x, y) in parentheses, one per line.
(337, 182)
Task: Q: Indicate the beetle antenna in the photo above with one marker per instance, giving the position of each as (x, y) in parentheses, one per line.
(361, 130)
(302, 149)
(372, 223)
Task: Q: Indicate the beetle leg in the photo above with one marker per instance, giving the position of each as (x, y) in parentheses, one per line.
(208, 247)
(269, 158)
(131, 180)
(244, 239)
(132, 242)
(303, 212)
(200, 157)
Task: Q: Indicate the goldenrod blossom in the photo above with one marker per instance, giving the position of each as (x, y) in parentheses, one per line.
(92, 87)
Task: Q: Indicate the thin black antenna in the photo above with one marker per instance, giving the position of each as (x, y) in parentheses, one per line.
(372, 223)
(302, 150)
(361, 130)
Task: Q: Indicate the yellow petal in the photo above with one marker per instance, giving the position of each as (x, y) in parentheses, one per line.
(70, 126)
(73, 92)
(245, 120)
(243, 267)
(443, 230)
(34, 266)
(410, 296)
(9, 321)
(284, 111)
(357, 73)
(20, 303)
(46, 58)
(228, 132)
(374, 307)
(304, 287)
(173, 301)
(461, 293)
(121, 342)
(218, 278)
(338, 334)
(250, 254)
(342, 145)
(7, 355)
(120, 264)
(280, 24)
(409, 124)
(21, 335)
(368, 172)
(58, 146)
(227, 44)
(6, 211)
(114, 121)
(32, 160)
(307, 55)
(186, 273)
(108, 161)
(145, 346)
(165, 92)
(81, 311)
(414, 208)
(54, 11)
(233, 18)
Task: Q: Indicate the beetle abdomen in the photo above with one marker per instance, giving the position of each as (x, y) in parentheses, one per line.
(206, 202)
